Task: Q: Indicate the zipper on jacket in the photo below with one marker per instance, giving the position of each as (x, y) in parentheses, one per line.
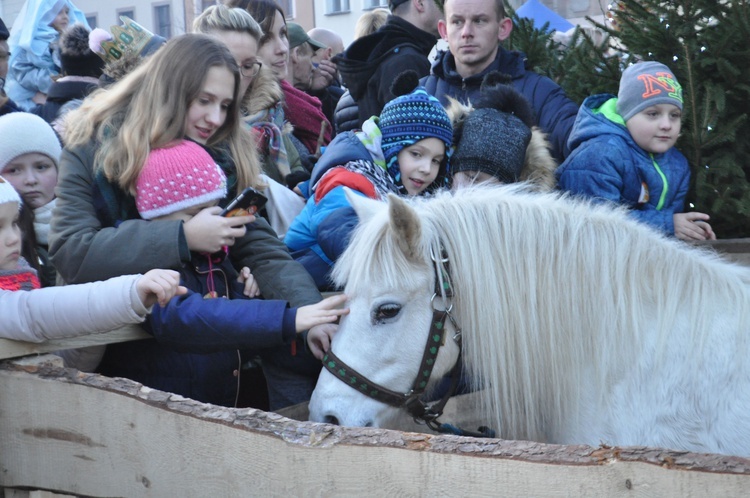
(664, 180)
(237, 372)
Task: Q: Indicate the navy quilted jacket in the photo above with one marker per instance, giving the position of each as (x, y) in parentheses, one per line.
(555, 112)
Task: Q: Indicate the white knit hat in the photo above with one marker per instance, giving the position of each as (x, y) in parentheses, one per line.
(176, 178)
(8, 193)
(24, 133)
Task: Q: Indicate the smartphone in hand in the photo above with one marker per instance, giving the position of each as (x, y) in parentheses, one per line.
(250, 201)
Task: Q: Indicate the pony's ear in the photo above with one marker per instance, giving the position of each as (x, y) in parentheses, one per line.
(407, 229)
(363, 206)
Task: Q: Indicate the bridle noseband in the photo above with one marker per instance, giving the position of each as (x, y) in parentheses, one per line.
(421, 411)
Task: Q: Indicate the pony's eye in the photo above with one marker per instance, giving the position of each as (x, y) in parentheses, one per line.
(386, 312)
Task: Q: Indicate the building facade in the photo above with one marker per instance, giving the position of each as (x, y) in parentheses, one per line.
(173, 17)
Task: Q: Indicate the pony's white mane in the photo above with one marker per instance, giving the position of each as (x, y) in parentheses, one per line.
(548, 290)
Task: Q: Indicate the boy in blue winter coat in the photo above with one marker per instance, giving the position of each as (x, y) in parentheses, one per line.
(202, 337)
(404, 151)
(623, 151)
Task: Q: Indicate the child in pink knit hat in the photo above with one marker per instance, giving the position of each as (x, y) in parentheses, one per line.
(203, 337)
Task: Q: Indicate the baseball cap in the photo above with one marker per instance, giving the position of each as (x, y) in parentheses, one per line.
(297, 36)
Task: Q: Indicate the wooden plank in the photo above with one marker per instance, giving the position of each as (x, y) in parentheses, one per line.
(737, 250)
(85, 434)
(14, 349)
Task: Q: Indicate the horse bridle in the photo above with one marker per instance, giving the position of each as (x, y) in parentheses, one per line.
(420, 410)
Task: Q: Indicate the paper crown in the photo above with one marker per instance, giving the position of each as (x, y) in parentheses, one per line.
(130, 39)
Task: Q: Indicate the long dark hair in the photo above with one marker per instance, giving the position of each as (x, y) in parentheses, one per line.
(263, 11)
(28, 237)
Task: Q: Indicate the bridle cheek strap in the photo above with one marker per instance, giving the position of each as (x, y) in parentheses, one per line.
(409, 400)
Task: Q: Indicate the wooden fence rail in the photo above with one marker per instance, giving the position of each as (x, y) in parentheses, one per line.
(84, 434)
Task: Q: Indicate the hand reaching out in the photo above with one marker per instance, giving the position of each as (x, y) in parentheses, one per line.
(693, 226)
(159, 286)
(251, 285)
(319, 339)
(326, 311)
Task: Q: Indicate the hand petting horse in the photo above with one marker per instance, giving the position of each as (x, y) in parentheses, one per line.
(580, 325)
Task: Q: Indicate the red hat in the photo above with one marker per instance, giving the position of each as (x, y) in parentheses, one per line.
(178, 177)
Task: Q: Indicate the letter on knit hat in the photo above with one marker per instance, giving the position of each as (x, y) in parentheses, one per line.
(645, 84)
(23, 133)
(178, 177)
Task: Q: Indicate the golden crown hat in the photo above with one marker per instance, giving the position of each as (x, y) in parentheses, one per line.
(130, 39)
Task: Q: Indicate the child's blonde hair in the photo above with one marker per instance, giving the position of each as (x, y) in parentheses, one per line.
(369, 22)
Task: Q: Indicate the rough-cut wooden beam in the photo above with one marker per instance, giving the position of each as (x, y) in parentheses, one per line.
(85, 434)
(15, 349)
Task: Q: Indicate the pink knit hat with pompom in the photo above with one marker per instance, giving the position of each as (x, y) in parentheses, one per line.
(178, 177)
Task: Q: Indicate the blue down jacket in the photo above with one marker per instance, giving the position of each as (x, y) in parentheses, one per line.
(320, 233)
(605, 163)
(196, 351)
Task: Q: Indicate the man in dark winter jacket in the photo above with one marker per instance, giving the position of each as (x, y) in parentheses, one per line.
(371, 63)
(474, 30)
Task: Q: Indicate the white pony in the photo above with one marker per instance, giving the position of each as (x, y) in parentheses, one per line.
(581, 325)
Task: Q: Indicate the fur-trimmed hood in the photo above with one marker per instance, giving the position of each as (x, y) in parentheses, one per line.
(265, 92)
(539, 165)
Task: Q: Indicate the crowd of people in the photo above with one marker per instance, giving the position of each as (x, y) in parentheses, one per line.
(118, 153)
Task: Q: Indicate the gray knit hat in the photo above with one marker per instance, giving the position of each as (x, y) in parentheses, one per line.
(495, 135)
(645, 84)
(32, 134)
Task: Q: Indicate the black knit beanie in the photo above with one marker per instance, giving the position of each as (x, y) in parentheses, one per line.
(75, 55)
(494, 137)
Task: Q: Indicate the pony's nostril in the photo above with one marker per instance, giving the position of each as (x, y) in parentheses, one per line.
(330, 419)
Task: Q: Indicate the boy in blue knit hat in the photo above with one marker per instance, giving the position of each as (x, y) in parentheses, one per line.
(622, 150)
(404, 151)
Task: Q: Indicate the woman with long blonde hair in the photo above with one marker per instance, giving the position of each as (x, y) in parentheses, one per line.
(260, 105)
(188, 89)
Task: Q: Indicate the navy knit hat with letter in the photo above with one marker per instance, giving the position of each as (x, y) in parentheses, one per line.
(412, 116)
(645, 84)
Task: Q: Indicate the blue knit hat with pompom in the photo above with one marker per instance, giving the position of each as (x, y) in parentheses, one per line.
(412, 116)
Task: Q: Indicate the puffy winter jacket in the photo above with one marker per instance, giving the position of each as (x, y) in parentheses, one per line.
(606, 163)
(555, 112)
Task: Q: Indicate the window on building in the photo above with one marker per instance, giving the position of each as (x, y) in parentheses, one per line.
(206, 4)
(288, 7)
(91, 20)
(374, 4)
(337, 6)
(129, 12)
(162, 21)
